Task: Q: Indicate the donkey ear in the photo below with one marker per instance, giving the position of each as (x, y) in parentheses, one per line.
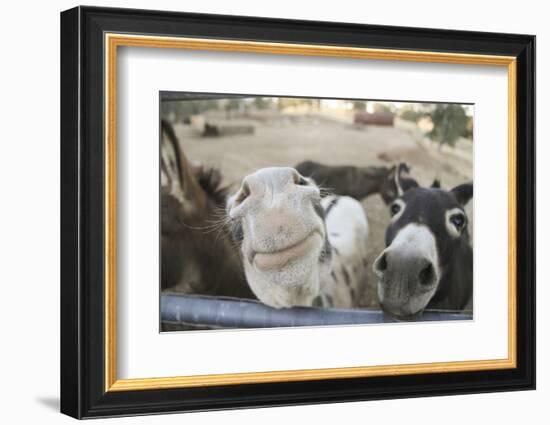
(436, 184)
(463, 193)
(391, 172)
(387, 188)
(176, 170)
(403, 181)
(397, 182)
(404, 167)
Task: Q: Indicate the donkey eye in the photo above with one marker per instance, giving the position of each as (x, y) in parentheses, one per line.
(394, 209)
(458, 220)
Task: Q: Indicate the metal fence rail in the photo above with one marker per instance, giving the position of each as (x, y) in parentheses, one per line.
(220, 312)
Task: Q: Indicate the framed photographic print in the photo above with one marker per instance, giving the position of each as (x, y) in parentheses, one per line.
(261, 212)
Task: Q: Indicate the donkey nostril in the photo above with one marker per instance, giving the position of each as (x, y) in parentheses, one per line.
(426, 275)
(243, 193)
(382, 264)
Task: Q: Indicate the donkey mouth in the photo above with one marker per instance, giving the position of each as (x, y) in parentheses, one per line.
(268, 261)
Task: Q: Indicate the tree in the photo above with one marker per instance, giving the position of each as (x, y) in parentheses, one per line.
(181, 110)
(359, 105)
(384, 107)
(261, 102)
(450, 123)
(413, 114)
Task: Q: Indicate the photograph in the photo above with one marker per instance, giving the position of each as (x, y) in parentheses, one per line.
(283, 211)
(286, 210)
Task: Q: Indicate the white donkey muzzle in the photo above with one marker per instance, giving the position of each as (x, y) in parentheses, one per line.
(408, 271)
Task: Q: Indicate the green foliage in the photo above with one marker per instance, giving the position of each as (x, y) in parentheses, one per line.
(289, 102)
(359, 105)
(450, 123)
(412, 114)
(382, 107)
(233, 104)
(182, 110)
(261, 103)
(469, 132)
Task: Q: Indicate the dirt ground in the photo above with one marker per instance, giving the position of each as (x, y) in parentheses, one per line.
(288, 140)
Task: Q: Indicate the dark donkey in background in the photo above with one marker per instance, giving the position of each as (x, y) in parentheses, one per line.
(358, 182)
(428, 261)
(197, 256)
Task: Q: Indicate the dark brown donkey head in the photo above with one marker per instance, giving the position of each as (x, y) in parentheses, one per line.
(197, 255)
(427, 262)
(359, 182)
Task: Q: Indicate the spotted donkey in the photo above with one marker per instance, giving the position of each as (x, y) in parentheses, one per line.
(298, 249)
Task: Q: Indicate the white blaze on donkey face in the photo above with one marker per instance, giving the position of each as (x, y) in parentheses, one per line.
(278, 219)
(408, 270)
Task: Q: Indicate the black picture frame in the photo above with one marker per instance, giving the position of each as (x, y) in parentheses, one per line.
(83, 392)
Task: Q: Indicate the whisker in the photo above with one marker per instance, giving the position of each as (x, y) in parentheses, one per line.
(325, 191)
